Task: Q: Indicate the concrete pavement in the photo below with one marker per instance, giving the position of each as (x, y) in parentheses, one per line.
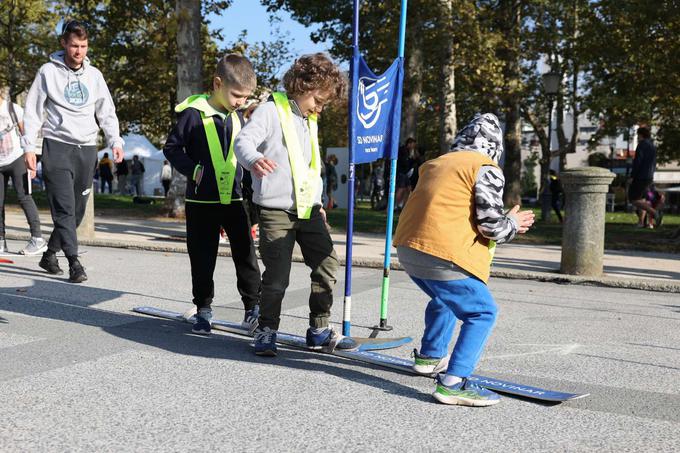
(625, 269)
(80, 372)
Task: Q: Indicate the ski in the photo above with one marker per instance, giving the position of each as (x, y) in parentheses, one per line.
(364, 354)
(365, 344)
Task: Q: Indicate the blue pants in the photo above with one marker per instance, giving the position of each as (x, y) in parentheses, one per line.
(468, 300)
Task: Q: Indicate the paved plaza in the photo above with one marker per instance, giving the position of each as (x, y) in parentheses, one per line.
(81, 372)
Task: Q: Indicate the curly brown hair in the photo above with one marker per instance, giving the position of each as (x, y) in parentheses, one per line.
(315, 72)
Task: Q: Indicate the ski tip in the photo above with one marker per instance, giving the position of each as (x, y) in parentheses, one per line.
(579, 396)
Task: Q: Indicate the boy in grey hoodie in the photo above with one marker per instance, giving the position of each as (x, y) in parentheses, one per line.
(69, 102)
(280, 147)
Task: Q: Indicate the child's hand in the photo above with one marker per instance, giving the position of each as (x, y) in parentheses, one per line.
(524, 219)
(263, 167)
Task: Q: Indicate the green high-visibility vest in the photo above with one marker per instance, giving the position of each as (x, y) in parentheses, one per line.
(225, 169)
(305, 177)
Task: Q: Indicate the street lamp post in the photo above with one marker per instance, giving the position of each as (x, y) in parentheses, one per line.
(551, 86)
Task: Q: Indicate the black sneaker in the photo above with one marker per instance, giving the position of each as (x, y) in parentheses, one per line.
(202, 325)
(50, 263)
(76, 272)
(328, 340)
(250, 322)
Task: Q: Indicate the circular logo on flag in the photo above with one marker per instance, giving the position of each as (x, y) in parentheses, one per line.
(372, 94)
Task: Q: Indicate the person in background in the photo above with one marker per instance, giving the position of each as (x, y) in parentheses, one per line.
(12, 166)
(418, 160)
(122, 172)
(404, 173)
(166, 177)
(331, 181)
(642, 174)
(137, 174)
(555, 194)
(106, 173)
(657, 200)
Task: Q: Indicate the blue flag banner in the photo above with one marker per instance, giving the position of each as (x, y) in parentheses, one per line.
(377, 110)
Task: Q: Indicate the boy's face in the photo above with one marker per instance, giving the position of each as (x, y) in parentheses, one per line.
(313, 101)
(231, 97)
(75, 50)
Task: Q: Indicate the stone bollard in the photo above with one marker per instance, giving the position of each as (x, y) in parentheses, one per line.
(585, 190)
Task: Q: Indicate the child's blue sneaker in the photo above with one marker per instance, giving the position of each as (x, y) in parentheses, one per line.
(265, 342)
(202, 324)
(464, 393)
(328, 340)
(427, 365)
(250, 319)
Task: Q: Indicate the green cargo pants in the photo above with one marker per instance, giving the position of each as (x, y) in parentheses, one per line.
(279, 230)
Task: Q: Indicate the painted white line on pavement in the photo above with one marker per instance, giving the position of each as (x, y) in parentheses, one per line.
(562, 350)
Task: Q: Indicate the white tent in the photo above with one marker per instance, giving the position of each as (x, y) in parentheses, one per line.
(151, 157)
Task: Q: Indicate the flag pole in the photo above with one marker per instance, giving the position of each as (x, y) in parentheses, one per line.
(347, 306)
(390, 201)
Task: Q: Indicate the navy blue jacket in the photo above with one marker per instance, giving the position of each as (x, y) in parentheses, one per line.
(187, 146)
(644, 164)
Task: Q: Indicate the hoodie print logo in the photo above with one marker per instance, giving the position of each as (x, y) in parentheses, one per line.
(76, 93)
(373, 94)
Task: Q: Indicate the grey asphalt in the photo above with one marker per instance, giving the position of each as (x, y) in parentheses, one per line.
(622, 268)
(81, 372)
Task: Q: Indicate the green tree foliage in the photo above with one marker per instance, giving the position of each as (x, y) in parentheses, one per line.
(267, 57)
(26, 39)
(632, 68)
(429, 39)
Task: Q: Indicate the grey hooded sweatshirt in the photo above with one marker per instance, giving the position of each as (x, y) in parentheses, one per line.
(262, 136)
(68, 104)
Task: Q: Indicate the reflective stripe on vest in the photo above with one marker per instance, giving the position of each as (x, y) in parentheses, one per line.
(305, 178)
(225, 169)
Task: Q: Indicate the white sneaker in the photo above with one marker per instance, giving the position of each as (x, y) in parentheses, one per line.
(429, 365)
(35, 246)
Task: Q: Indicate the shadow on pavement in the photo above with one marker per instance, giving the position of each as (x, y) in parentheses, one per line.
(66, 302)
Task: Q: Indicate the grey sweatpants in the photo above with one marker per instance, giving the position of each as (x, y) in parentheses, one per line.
(68, 171)
(17, 171)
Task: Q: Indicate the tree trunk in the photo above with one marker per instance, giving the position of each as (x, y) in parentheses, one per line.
(562, 143)
(512, 168)
(11, 60)
(189, 80)
(86, 229)
(544, 141)
(413, 86)
(447, 86)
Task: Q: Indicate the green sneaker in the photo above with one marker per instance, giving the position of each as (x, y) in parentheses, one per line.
(423, 364)
(464, 393)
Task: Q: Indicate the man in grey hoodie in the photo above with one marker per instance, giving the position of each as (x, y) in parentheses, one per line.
(69, 101)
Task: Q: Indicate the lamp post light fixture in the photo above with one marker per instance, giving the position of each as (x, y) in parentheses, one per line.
(551, 83)
(551, 86)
